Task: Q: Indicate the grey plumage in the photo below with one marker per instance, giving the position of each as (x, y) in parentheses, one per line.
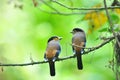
(52, 52)
(78, 39)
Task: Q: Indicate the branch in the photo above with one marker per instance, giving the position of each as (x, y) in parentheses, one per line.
(65, 58)
(110, 22)
(66, 14)
(80, 46)
(116, 37)
(49, 6)
(71, 8)
(24, 64)
(75, 8)
(115, 3)
(100, 45)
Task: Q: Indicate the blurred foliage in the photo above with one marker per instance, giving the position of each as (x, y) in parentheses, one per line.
(96, 19)
(25, 29)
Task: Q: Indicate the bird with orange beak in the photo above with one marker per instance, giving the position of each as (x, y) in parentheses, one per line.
(52, 52)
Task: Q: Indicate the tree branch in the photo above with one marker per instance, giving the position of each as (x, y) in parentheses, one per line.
(115, 3)
(116, 38)
(49, 6)
(71, 8)
(65, 14)
(110, 22)
(75, 8)
(65, 58)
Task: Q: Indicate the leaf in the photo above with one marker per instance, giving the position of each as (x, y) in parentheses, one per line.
(117, 11)
(96, 20)
(115, 18)
(103, 29)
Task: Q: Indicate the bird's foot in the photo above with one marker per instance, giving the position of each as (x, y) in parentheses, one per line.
(45, 60)
(54, 59)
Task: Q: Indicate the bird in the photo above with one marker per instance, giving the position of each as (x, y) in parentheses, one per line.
(52, 52)
(78, 44)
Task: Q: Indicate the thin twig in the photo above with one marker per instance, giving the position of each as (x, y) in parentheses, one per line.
(115, 3)
(94, 8)
(23, 64)
(49, 6)
(80, 46)
(65, 14)
(100, 45)
(61, 59)
(110, 22)
(111, 27)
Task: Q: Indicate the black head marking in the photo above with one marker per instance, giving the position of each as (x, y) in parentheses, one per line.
(77, 30)
(51, 38)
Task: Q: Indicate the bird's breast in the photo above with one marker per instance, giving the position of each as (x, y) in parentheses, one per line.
(50, 53)
(77, 43)
(52, 49)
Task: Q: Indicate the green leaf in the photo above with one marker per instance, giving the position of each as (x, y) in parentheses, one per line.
(103, 29)
(114, 18)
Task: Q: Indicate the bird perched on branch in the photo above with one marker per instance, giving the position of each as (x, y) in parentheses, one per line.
(52, 52)
(78, 44)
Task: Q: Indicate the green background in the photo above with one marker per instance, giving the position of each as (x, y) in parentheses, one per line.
(24, 34)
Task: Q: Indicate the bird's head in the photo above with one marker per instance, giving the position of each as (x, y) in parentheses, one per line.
(76, 30)
(56, 38)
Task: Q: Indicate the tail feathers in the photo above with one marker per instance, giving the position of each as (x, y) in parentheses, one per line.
(79, 61)
(52, 68)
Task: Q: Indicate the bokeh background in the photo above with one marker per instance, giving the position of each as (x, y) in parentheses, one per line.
(24, 31)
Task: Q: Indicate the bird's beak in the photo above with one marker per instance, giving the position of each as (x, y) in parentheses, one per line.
(60, 38)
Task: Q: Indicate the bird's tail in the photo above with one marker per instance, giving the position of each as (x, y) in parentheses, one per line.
(79, 61)
(52, 68)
